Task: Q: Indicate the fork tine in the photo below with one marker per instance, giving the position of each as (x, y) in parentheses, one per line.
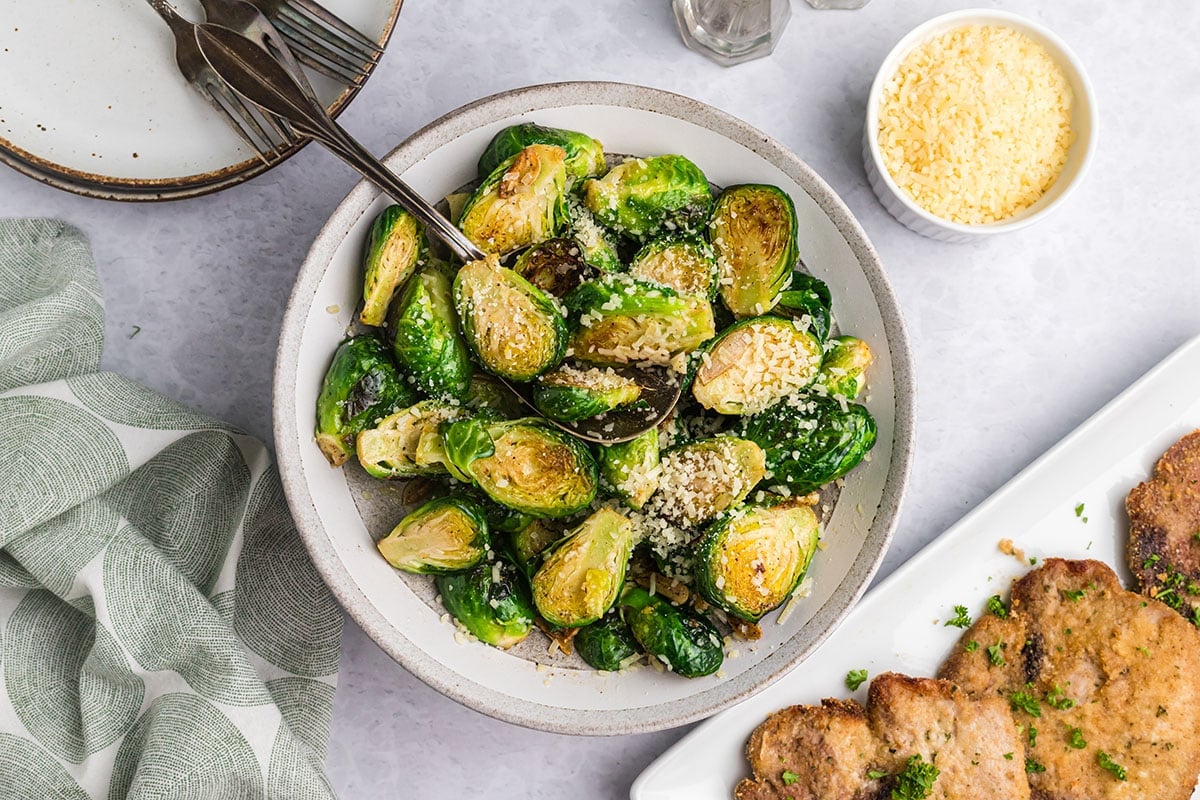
(331, 38)
(324, 68)
(237, 109)
(321, 58)
(236, 124)
(331, 20)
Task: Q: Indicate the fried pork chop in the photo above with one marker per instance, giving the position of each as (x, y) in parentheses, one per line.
(1109, 679)
(831, 751)
(1164, 533)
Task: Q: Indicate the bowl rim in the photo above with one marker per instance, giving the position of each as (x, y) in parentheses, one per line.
(1075, 73)
(324, 554)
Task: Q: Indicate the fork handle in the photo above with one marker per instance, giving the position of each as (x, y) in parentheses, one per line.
(172, 17)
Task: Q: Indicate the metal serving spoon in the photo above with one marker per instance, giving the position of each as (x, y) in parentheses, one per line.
(254, 73)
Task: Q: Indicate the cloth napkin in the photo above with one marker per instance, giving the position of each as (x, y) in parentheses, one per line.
(164, 632)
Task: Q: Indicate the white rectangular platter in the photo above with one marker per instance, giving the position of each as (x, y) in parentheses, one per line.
(899, 625)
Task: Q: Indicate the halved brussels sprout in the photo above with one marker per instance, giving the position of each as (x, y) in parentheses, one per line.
(598, 246)
(490, 601)
(751, 560)
(521, 202)
(555, 266)
(686, 264)
(701, 479)
(425, 336)
(632, 468)
(569, 394)
(448, 534)
(753, 231)
(648, 197)
(585, 155)
(686, 644)
(579, 580)
(808, 302)
(754, 364)
(407, 443)
(811, 440)
(396, 248)
(621, 320)
(360, 386)
(486, 392)
(527, 544)
(608, 644)
(514, 328)
(844, 370)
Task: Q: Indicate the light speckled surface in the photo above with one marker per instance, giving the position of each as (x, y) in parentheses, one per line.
(1016, 340)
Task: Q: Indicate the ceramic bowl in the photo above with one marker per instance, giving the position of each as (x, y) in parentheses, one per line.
(1083, 120)
(340, 512)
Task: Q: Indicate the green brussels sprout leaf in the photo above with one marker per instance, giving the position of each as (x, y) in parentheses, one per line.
(844, 370)
(490, 601)
(754, 364)
(703, 478)
(396, 247)
(631, 469)
(521, 202)
(568, 394)
(466, 441)
(608, 644)
(685, 643)
(808, 302)
(447, 534)
(425, 336)
(648, 197)
(536, 469)
(408, 443)
(685, 264)
(753, 231)
(585, 155)
(579, 580)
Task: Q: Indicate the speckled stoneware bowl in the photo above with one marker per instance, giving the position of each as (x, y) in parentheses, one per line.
(341, 512)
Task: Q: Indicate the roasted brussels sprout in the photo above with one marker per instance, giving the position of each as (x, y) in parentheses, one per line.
(685, 643)
(619, 320)
(447, 534)
(754, 364)
(555, 266)
(425, 336)
(515, 329)
(361, 386)
(597, 244)
(527, 544)
(490, 601)
(396, 248)
(808, 302)
(521, 202)
(631, 469)
(569, 394)
(648, 197)
(585, 155)
(488, 393)
(749, 561)
(753, 231)
(844, 370)
(811, 440)
(701, 479)
(580, 578)
(607, 645)
(686, 264)
(408, 443)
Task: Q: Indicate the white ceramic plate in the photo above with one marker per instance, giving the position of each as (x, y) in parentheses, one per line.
(91, 100)
(337, 513)
(900, 624)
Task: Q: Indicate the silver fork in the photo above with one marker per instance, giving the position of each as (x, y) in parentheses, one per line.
(322, 40)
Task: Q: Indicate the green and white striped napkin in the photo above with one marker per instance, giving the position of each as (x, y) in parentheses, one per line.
(164, 634)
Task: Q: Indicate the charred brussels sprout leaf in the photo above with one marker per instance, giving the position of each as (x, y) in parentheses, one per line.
(466, 441)
(408, 443)
(648, 197)
(522, 201)
(687, 644)
(631, 468)
(396, 247)
(808, 302)
(621, 320)
(569, 394)
(685, 264)
(701, 479)
(844, 370)
(579, 580)
(490, 601)
(555, 266)
(754, 364)
(527, 543)
(599, 249)
(425, 336)
(753, 231)
(445, 535)
(751, 560)
(811, 440)
(585, 155)
(515, 329)
(361, 386)
(607, 645)
(487, 393)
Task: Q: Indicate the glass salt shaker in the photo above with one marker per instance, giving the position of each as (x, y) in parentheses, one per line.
(838, 3)
(732, 31)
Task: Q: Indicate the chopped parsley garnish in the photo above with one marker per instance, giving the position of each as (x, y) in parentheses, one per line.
(876, 774)
(1032, 766)
(1151, 560)
(855, 678)
(996, 607)
(1032, 733)
(1057, 698)
(1074, 595)
(1116, 769)
(1196, 616)
(971, 646)
(962, 618)
(915, 782)
(1008, 756)
(994, 654)
(1079, 510)
(1033, 561)
(1024, 701)
(789, 777)
(1075, 739)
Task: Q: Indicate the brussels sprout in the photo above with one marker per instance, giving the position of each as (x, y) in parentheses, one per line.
(686, 264)
(569, 394)
(360, 386)
(585, 155)
(844, 370)
(486, 392)
(521, 202)
(701, 479)
(579, 580)
(808, 302)
(811, 440)
(407, 443)
(687, 644)
(465, 442)
(754, 364)
(448, 534)
(647, 197)
(620, 320)
(515, 329)
(632, 468)
(598, 246)
(396, 247)
(425, 336)
(607, 645)
(751, 560)
(490, 601)
(527, 544)
(555, 266)
(753, 231)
